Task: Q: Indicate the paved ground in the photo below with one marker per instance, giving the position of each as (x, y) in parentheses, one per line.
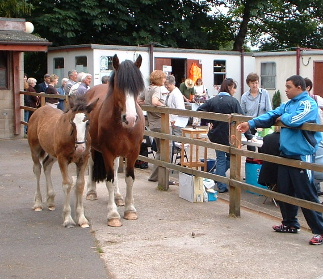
(172, 238)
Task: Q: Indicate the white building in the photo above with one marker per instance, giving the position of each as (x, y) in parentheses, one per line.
(272, 67)
(97, 60)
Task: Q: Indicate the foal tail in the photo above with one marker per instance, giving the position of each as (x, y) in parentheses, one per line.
(99, 172)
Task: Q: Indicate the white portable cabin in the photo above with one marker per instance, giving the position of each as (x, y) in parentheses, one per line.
(97, 60)
(275, 67)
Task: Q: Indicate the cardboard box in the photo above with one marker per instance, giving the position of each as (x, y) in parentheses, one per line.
(191, 188)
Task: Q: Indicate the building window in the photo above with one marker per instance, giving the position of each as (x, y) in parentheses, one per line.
(81, 64)
(59, 67)
(106, 66)
(219, 71)
(268, 75)
(3, 70)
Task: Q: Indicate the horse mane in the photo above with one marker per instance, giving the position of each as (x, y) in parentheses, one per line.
(127, 78)
(79, 103)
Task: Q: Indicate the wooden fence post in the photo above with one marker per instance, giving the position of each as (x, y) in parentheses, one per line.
(163, 173)
(235, 171)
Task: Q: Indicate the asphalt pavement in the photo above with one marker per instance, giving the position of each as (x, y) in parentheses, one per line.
(172, 238)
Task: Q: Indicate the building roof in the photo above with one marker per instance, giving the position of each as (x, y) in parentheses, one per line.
(16, 37)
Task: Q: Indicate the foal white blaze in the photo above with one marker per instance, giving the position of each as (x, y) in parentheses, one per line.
(80, 125)
(130, 116)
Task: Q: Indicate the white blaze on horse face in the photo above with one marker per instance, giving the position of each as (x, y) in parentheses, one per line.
(80, 124)
(130, 116)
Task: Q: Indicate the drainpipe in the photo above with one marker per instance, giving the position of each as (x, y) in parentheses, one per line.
(298, 59)
(242, 71)
(151, 57)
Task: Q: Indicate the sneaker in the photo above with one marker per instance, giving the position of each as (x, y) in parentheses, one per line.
(285, 229)
(223, 190)
(317, 239)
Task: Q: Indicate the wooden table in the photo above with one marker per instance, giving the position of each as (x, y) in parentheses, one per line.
(193, 160)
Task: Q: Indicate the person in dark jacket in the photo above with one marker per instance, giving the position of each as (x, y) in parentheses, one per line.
(53, 102)
(269, 171)
(42, 87)
(224, 103)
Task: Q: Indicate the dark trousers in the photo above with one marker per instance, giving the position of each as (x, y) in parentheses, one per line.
(298, 183)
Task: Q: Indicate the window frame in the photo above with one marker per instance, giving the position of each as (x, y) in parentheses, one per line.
(269, 78)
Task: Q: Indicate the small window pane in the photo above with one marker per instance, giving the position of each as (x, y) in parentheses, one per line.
(268, 75)
(59, 67)
(81, 63)
(3, 70)
(59, 63)
(219, 71)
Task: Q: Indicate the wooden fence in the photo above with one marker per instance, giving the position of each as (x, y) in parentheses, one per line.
(234, 181)
(42, 97)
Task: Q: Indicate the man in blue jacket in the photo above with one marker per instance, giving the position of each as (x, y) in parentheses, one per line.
(295, 144)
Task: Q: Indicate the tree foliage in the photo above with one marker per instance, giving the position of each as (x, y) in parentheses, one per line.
(211, 24)
(181, 23)
(14, 8)
(276, 24)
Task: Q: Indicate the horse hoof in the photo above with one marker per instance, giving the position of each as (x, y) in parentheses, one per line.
(69, 226)
(130, 215)
(84, 226)
(51, 208)
(38, 209)
(92, 196)
(115, 222)
(119, 202)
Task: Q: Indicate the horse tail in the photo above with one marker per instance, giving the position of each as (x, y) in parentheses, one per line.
(99, 172)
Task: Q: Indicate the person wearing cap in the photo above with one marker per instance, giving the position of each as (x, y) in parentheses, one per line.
(42, 87)
(187, 89)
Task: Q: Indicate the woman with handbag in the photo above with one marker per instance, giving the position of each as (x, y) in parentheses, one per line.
(255, 101)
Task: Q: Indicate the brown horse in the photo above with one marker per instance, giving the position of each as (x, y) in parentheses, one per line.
(57, 136)
(117, 127)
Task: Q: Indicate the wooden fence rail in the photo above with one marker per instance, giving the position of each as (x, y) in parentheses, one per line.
(234, 181)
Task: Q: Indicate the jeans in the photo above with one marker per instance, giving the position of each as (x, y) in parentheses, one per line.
(222, 165)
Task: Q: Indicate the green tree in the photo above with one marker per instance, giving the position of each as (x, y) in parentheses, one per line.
(14, 8)
(275, 24)
(181, 23)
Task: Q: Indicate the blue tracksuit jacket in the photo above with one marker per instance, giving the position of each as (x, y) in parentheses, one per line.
(294, 113)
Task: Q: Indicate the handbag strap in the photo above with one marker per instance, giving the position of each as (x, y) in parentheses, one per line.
(259, 102)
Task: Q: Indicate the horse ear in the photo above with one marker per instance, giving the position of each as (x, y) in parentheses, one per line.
(115, 62)
(71, 99)
(138, 61)
(92, 105)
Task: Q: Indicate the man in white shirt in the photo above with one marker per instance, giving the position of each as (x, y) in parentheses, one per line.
(175, 100)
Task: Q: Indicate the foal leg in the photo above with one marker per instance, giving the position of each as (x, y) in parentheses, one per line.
(91, 185)
(67, 187)
(79, 189)
(130, 212)
(48, 163)
(38, 205)
(118, 197)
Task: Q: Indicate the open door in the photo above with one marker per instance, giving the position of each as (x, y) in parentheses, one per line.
(189, 68)
(318, 81)
(161, 62)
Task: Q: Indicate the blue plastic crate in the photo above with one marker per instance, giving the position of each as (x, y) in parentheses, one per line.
(252, 175)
